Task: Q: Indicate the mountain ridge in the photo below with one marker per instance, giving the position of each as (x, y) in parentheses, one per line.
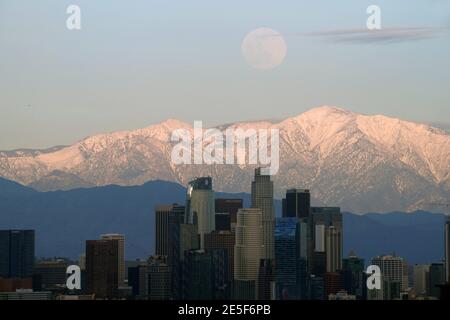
(64, 220)
(362, 163)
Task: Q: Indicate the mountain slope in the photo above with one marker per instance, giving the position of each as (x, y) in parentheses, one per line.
(63, 220)
(362, 163)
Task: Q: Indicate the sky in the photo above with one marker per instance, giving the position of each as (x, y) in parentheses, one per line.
(139, 62)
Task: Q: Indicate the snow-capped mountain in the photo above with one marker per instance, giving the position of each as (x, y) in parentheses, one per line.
(361, 163)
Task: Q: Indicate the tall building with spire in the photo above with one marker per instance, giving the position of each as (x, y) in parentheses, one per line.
(262, 198)
(200, 205)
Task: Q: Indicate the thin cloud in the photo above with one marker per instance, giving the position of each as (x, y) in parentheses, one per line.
(385, 35)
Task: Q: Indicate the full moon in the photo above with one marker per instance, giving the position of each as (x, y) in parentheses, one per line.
(264, 48)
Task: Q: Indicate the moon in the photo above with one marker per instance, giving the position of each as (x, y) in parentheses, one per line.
(264, 48)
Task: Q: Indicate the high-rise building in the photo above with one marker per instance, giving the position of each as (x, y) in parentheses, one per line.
(176, 218)
(328, 235)
(223, 222)
(248, 251)
(138, 281)
(182, 237)
(266, 280)
(262, 198)
(436, 277)
(319, 263)
(393, 270)
(102, 267)
(290, 257)
(121, 253)
(353, 263)
(223, 240)
(357, 282)
(286, 257)
(447, 249)
(162, 213)
(16, 253)
(333, 283)
(420, 279)
(50, 274)
(204, 275)
(297, 203)
(159, 278)
(200, 205)
(317, 288)
(230, 206)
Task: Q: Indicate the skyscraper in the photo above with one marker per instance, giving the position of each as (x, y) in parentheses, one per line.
(328, 234)
(262, 198)
(182, 237)
(230, 206)
(248, 251)
(332, 283)
(447, 249)
(436, 276)
(159, 278)
(162, 213)
(176, 218)
(200, 204)
(297, 203)
(138, 280)
(356, 267)
(102, 267)
(420, 279)
(121, 254)
(204, 274)
(16, 253)
(266, 280)
(290, 257)
(393, 270)
(223, 221)
(223, 240)
(50, 274)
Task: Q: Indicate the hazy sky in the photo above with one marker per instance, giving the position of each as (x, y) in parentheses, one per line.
(135, 63)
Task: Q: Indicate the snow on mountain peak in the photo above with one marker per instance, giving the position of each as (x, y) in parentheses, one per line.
(358, 161)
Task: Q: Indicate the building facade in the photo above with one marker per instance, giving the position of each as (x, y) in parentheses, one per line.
(200, 206)
(102, 268)
(328, 235)
(16, 253)
(297, 203)
(262, 198)
(248, 249)
(120, 254)
(162, 213)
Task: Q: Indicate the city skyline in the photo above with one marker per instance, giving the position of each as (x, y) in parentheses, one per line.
(192, 263)
(222, 159)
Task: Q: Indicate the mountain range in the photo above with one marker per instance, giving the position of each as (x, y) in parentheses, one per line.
(63, 220)
(358, 162)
